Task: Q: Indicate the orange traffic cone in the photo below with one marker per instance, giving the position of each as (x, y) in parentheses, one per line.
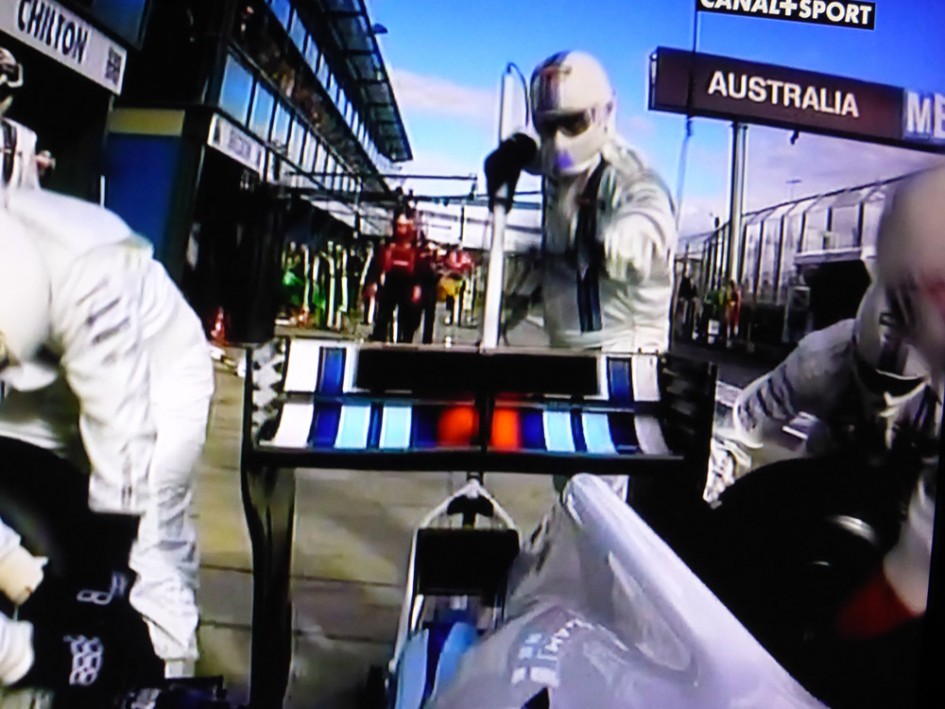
(218, 333)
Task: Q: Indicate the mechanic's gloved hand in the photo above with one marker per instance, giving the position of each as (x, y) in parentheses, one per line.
(897, 591)
(88, 640)
(21, 573)
(632, 251)
(727, 462)
(873, 609)
(504, 165)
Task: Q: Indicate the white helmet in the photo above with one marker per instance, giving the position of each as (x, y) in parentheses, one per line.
(888, 370)
(573, 110)
(910, 261)
(24, 297)
(11, 77)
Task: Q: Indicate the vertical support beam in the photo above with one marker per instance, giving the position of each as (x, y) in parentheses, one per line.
(780, 259)
(307, 287)
(761, 248)
(718, 259)
(706, 258)
(330, 289)
(343, 282)
(860, 219)
(743, 247)
(829, 229)
(710, 263)
(803, 233)
(719, 273)
(736, 193)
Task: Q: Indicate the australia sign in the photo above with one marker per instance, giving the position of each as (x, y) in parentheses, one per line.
(723, 87)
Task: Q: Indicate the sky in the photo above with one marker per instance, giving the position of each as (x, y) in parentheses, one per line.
(446, 60)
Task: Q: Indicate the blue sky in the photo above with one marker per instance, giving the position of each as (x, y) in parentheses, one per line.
(447, 57)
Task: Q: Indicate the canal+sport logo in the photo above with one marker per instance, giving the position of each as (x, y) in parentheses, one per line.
(839, 13)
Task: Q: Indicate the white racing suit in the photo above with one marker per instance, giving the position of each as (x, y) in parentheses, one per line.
(818, 377)
(815, 378)
(121, 389)
(610, 289)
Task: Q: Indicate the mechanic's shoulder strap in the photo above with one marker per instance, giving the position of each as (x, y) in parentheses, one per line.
(585, 237)
(9, 150)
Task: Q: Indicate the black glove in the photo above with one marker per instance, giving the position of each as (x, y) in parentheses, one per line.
(505, 164)
(88, 642)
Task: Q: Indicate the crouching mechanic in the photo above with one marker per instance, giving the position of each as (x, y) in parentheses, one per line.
(875, 384)
(104, 363)
(860, 380)
(606, 264)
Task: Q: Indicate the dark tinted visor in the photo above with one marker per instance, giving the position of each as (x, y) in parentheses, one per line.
(571, 124)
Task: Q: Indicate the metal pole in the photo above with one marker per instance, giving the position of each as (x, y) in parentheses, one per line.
(860, 218)
(344, 279)
(758, 257)
(743, 241)
(737, 193)
(494, 280)
(495, 277)
(330, 300)
(502, 90)
(780, 261)
(307, 289)
(800, 238)
(506, 104)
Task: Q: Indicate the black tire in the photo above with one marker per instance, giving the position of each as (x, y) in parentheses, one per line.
(45, 500)
(790, 542)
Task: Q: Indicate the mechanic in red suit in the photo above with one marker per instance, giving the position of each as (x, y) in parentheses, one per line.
(394, 276)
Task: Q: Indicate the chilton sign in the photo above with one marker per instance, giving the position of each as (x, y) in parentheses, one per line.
(68, 39)
(722, 87)
(861, 15)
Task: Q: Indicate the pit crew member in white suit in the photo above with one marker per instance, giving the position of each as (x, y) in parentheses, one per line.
(606, 265)
(104, 363)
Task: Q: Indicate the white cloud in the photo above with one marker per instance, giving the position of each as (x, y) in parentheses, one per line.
(430, 95)
(428, 162)
(633, 126)
(822, 164)
(697, 213)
